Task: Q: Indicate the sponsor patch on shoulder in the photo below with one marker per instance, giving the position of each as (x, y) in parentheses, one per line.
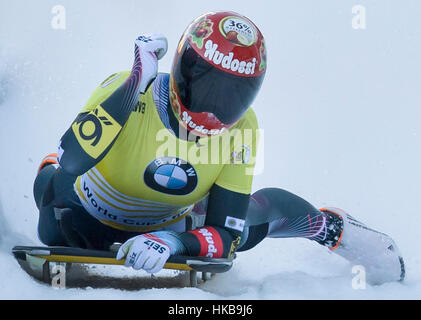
(95, 131)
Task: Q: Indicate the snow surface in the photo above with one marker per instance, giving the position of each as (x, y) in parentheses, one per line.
(339, 108)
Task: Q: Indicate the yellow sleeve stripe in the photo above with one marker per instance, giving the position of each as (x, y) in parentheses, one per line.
(162, 215)
(146, 228)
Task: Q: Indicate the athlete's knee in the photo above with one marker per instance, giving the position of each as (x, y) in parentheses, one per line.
(269, 204)
(42, 182)
(276, 202)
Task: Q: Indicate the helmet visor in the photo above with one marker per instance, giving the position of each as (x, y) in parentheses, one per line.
(204, 88)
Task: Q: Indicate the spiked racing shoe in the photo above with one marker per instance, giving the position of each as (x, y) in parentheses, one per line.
(361, 245)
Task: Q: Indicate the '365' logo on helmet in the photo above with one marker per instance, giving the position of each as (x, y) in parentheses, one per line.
(170, 175)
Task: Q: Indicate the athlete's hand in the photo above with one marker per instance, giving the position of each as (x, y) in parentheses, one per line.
(151, 49)
(156, 43)
(146, 252)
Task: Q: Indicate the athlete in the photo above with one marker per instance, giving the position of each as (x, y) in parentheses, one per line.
(163, 163)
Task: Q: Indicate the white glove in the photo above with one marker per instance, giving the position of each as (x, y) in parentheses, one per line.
(146, 252)
(151, 49)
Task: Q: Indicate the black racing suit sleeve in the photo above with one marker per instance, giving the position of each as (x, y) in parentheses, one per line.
(223, 206)
(75, 157)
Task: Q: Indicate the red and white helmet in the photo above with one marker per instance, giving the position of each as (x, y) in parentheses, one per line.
(217, 72)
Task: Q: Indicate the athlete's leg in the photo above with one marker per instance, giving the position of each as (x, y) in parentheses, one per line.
(62, 220)
(48, 226)
(276, 213)
(55, 199)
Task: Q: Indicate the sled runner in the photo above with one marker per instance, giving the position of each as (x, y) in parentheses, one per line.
(40, 261)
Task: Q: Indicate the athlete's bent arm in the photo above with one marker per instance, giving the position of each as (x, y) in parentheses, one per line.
(228, 200)
(224, 224)
(93, 133)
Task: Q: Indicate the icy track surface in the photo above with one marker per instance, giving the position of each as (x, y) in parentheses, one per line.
(339, 109)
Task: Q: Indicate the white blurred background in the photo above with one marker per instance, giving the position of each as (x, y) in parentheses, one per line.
(340, 108)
